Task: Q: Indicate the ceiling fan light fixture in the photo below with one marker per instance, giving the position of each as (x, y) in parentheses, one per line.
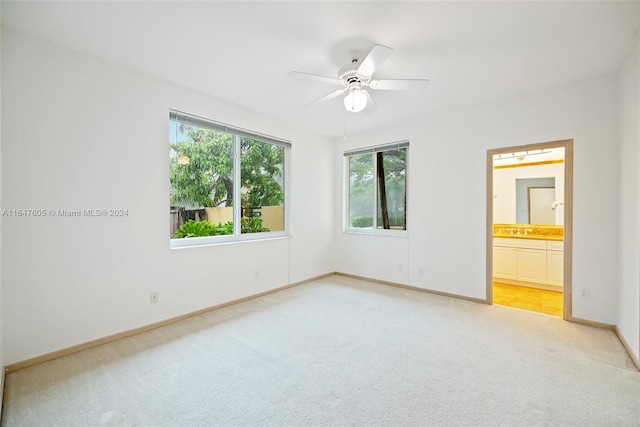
(355, 76)
(355, 100)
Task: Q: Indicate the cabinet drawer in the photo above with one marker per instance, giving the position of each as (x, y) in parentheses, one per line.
(553, 245)
(519, 243)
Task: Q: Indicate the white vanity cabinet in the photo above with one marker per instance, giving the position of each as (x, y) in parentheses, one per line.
(532, 265)
(555, 263)
(528, 260)
(505, 262)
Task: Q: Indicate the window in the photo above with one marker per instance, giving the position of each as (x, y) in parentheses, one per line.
(225, 183)
(377, 188)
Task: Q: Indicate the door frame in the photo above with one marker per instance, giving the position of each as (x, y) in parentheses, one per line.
(568, 215)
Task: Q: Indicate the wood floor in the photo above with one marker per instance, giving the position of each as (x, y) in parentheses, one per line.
(538, 300)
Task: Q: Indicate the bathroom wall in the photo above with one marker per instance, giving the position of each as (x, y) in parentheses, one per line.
(505, 191)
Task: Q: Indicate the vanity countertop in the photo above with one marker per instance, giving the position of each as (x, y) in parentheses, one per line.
(528, 231)
(528, 236)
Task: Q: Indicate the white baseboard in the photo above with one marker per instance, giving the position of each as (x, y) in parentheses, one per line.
(4, 372)
(413, 288)
(635, 358)
(64, 352)
(104, 340)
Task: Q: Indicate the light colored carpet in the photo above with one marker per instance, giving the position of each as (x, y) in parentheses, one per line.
(340, 351)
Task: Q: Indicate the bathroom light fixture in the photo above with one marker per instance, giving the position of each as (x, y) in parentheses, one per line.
(355, 100)
(520, 155)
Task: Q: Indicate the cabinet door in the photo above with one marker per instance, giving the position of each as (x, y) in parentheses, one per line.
(555, 268)
(532, 265)
(504, 262)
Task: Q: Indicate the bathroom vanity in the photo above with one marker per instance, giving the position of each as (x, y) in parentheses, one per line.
(529, 255)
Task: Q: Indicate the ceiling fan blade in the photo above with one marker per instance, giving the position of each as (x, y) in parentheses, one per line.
(399, 84)
(371, 106)
(378, 54)
(307, 76)
(328, 97)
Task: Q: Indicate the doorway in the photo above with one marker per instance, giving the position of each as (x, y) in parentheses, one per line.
(529, 227)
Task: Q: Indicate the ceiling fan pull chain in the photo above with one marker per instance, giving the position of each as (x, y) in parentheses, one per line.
(344, 116)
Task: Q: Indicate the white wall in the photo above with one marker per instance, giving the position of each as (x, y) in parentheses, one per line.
(80, 133)
(504, 189)
(447, 191)
(628, 318)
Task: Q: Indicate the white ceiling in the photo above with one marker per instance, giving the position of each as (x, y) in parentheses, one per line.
(241, 52)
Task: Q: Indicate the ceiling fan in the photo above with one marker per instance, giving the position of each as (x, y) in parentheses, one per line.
(355, 77)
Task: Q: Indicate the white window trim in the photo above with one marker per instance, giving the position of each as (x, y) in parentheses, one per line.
(238, 134)
(376, 232)
(346, 228)
(198, 242)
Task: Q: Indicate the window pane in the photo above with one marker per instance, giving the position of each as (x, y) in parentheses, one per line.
(361, 191)
(262, 193)
(391, 203)
(201, 178)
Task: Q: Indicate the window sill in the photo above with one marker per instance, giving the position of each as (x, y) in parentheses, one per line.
(198, 242)
(375, 232)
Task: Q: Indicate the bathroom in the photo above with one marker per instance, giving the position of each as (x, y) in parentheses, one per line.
(529, 230)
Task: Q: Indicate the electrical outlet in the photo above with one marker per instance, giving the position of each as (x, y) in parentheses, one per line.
(399, 267)
(256, 275)
(584, 293)
(421, 271)
(154, 297)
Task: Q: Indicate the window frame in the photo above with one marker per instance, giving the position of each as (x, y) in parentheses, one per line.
(346, 217)
(238, 134)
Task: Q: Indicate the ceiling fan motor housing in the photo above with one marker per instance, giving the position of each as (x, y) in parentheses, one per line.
(348, 74)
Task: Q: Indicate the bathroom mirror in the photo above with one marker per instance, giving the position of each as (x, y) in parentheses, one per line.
(540, 205)
(527, 186)
(534, 201)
